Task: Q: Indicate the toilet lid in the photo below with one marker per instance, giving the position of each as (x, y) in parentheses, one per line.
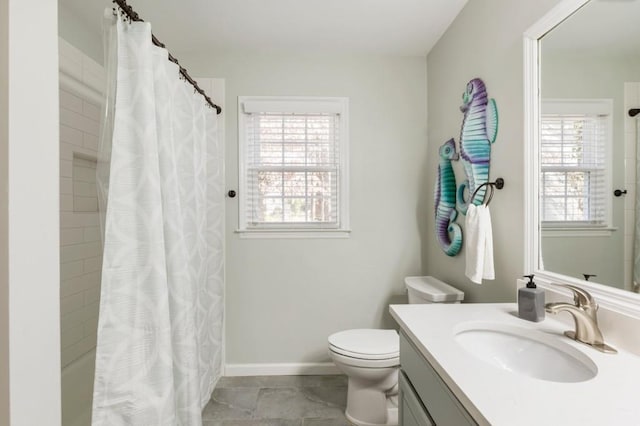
(366, 343)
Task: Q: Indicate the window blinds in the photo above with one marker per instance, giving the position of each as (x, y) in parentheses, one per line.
(573, 156)
(292, 168)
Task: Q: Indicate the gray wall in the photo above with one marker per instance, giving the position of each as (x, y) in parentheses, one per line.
(285, 296)
(589, 74)
(79, 33)
(485, 41)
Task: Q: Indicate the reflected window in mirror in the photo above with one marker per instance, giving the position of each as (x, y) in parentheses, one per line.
(575, 147)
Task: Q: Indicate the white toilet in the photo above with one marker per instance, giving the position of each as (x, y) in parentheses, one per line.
(371, 358)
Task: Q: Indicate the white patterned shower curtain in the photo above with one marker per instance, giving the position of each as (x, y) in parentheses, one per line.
(161, 188)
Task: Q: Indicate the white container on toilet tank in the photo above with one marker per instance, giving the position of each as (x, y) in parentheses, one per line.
(371, 359)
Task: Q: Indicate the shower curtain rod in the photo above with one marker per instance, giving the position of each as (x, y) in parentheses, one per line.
(133, 15)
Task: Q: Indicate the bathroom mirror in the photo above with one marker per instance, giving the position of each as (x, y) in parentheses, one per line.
(582, 74)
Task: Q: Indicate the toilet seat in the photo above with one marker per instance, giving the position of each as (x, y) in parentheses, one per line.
(364, 363)
(366, 345)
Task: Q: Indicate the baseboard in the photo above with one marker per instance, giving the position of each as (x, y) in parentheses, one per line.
(288, 369)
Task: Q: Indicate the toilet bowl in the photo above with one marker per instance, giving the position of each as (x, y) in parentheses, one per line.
(371, 358)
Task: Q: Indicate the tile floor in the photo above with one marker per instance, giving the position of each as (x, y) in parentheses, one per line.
(278, 401)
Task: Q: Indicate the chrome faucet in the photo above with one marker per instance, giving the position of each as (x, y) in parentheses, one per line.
(584, 312)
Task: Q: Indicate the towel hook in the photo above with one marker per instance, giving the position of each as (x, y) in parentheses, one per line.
(498, 184)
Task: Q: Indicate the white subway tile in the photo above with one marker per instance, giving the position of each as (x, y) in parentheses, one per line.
(92, 65)
(66, 168)
(84, 189)
(69, 51)
(69, 152)
(66, 186)
(70, 135)
(71, 68)
(71, 303)
(78, 220)
(92, 234)
(66, 202)
(91, 110)
(66, 150)
(90, 142)
(71, 236)
(71, 335)
(76, 350)
(91, 295)
(79, 234)
(93, 75)
(73, 269)
(79, 251)
(81, 161)
(91, 326)
(70, 101)
(79, 122)
(79, 316)
(70, 61)
(82, 173)
(93, 264)
(79, 284)
(85, 204)
(72, 119)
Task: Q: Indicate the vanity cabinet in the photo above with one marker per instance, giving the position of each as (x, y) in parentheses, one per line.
(425, 400)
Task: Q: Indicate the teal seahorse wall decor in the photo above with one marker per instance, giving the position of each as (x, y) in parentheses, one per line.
(479, 130)
(448, 232)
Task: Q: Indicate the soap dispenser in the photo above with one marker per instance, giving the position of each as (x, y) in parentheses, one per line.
(531, 301)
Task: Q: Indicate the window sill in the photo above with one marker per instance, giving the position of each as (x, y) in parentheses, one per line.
(553, 232)
(293, 233)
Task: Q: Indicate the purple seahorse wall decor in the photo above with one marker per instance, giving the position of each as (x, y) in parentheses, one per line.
(478, 131)
(448, 233)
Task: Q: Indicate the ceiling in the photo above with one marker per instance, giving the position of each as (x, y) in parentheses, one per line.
(399, 27)
(609, 26)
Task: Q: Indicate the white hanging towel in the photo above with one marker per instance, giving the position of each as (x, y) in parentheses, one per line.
(479, 244)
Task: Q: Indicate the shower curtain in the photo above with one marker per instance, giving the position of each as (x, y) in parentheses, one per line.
(160, 182)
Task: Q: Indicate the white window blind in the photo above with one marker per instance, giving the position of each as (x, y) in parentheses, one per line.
(293, 165)
(574, 149)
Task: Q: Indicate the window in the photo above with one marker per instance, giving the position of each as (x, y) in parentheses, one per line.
(575, 153)
(293, 166)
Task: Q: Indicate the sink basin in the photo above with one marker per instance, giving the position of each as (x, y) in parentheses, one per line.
(527, 352)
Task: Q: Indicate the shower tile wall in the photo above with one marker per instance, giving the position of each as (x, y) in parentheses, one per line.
(80, 251)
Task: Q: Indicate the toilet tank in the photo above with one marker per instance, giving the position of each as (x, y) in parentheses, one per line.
(431, 290)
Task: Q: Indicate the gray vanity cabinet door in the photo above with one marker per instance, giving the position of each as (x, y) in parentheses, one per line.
(441, 404)
(412, 412)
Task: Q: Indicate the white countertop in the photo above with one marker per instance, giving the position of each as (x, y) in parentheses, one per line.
(501, 398)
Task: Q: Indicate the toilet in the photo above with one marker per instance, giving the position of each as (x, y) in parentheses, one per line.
(371, 358)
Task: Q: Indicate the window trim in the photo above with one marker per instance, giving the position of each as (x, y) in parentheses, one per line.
(602, 106)
(302, 104)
